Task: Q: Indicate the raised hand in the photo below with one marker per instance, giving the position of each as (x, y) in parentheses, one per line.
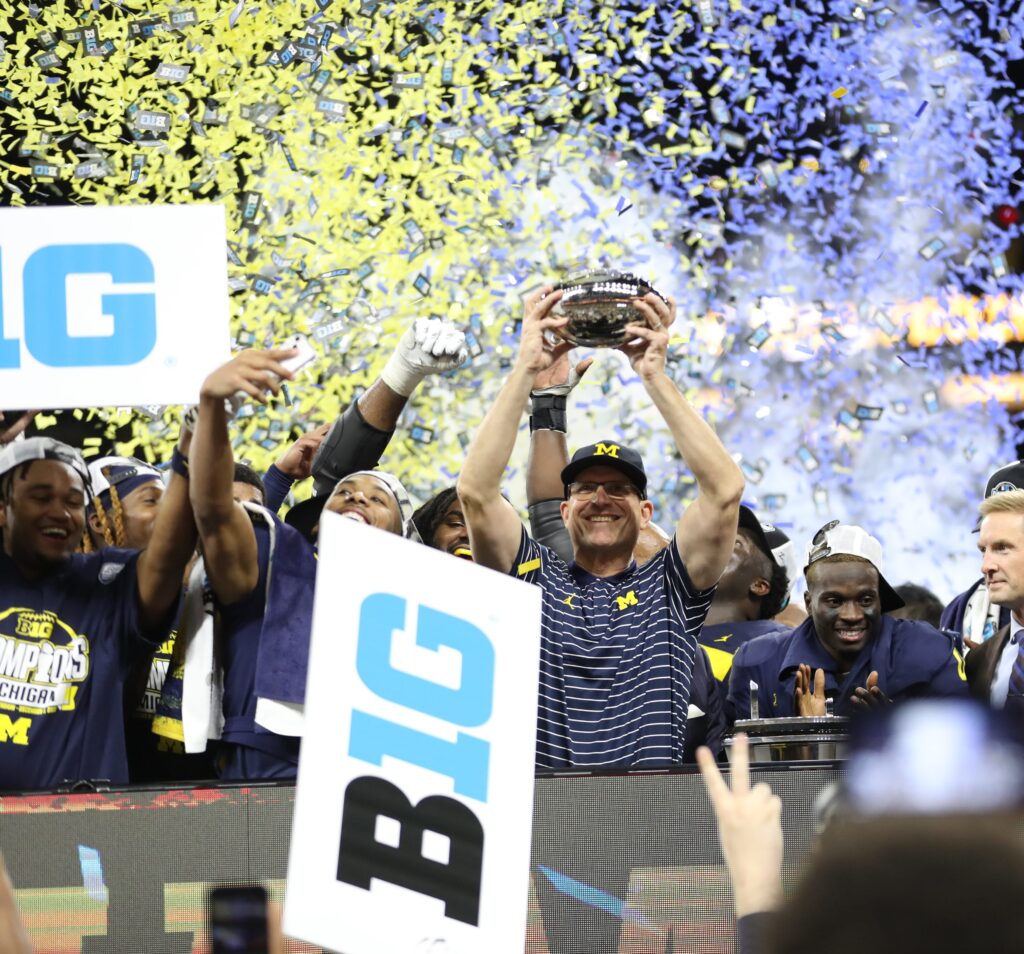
(297, 461)
(11, 429)
(749, 829)
(429, 346)
(537, 353)
(562, 376)
(252, 371)
(810, 700)
(647, 344)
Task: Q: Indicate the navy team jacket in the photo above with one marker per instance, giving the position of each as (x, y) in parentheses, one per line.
(911, 658)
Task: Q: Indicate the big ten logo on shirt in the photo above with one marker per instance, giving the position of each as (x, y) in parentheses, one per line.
(51, 330)
(460, 695)
(43, 661)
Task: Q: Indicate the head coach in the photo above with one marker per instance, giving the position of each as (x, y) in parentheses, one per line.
(617, 640)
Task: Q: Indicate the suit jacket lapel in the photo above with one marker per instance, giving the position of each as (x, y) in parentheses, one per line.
(984, 671)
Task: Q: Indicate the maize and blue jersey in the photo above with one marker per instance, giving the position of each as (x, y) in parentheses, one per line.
(911, 658)
(617, 657)
(67, 644)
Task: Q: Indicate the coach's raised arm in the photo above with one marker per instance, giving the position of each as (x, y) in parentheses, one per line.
(707, 529)
(618, 640)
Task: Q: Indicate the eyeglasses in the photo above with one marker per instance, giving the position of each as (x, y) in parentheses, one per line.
(618, 489)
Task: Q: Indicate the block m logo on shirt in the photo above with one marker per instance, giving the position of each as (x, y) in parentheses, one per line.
(15, 731)
(628, 600)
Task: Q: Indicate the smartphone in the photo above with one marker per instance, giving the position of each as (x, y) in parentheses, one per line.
(238, 920)
(305, 357)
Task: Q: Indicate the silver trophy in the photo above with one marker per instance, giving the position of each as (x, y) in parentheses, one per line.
(599, 305)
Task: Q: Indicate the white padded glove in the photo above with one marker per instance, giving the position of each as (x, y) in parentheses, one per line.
(430, 346)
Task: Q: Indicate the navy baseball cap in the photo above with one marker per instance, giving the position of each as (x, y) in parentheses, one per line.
(749, 522)
(1008, 477)
(607, 454)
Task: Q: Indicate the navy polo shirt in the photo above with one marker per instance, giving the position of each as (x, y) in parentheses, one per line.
(67, 644)
(616, 661)
(723, 640)
(911, 658)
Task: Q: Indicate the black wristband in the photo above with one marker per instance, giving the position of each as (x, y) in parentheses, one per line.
(547, 412)
(179, 463)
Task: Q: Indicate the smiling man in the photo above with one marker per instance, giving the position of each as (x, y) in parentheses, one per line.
(618, 641)
(262, 571)
(442, 526)
(72, 624)
(847, 649)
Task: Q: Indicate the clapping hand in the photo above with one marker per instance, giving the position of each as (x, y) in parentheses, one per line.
(810, 701)
(869, 694)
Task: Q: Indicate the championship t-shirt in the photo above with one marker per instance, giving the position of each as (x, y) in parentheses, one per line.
(67, 643)
(156, 673)
(616, 659)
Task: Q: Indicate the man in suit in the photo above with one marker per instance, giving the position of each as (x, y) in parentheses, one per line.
(972, 613)
(995, 669)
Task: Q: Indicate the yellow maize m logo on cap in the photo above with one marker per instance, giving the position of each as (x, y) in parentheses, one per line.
(607, 450)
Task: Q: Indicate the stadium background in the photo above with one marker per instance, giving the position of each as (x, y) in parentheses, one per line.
(831, 191)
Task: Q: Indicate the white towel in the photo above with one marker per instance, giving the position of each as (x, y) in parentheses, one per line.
(202, 693)
(981, 617)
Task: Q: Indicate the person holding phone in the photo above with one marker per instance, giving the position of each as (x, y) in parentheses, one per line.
(264, 614)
